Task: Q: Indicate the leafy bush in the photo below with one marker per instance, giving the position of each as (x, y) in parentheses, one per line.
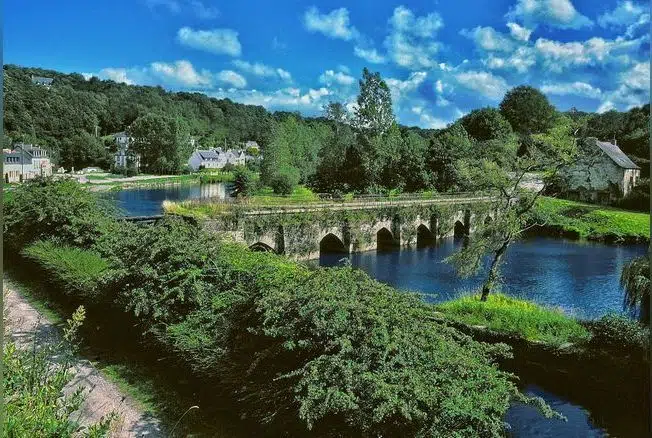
(284, 181)
(33, 389)
(78, 269)
(618, 332)
(44, 208)
(244, 183)
(514, 316)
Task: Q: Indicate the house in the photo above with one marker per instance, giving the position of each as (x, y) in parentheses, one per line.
(123, 156)
(252, 145)
(39, 80)
(216, 159)
(603, 174)
(26, 161)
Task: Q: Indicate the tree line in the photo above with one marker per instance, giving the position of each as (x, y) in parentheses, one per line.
(365, 150)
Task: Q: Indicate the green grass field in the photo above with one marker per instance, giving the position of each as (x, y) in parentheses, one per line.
(517, 317)
(590, 221)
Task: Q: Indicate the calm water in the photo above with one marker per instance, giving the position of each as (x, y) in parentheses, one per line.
(581, 278)
(148, 201)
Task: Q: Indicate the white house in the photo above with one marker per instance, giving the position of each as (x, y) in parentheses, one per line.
(123, 156)
(24, 162)
(215, 159)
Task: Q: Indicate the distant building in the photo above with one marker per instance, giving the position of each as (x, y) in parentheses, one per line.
(216, 159)
(123, 156)
(252, 145)
(602, 175)
(39, 80)
(24, 162)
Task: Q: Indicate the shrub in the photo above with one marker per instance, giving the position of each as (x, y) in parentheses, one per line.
(79, 270)
(284, 181)
(244, 183)
(618, 332)
(42, 208)
(33, 388)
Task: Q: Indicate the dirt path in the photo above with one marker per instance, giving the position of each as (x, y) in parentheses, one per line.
(23, 321)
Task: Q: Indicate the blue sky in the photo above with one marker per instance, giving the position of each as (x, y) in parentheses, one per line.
(441, 59)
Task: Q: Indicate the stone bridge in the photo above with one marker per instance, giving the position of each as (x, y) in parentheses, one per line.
(305, 232)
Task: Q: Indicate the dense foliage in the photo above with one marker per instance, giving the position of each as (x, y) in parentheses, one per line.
(635, 279)
(329, 349)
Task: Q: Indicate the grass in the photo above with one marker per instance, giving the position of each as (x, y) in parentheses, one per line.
(594, 222)
(517, 317)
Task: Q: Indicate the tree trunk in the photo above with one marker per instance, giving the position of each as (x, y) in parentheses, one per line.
(493, 271)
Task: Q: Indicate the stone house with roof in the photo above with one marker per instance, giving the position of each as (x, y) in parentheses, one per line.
(24, 162)
(603, 174)
(216, 159)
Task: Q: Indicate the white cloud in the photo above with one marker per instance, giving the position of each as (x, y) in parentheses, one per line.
(330, 76)
(427, 120)
(182, 72)
(521, 60)
(519, 32)
(87, 76)
(633, 89)
(262, 70)
(626, 13)
(335, 24)
(485, 83)
(400, 88)
(196, 7)
(218, 41)
(231, 78)
(286, 98)
(117, 75)
(558, 55)
(554, 13)
(488, 39)
(411, 42)
(572, 88)
(369, 55)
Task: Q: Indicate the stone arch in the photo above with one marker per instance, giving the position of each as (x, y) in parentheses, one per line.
(330, 243)
(385, 239)
(459, 229)
(425, 237)
(261, 247)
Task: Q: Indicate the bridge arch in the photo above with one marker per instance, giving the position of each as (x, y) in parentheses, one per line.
(385, 239)
(425, 237)
(330, 243)
(460, 229)
(261, 247)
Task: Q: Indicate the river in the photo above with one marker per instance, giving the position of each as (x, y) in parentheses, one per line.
(579, 277)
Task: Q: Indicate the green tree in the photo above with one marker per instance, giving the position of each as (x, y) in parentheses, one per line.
(550, 152)
(244, 183)
(83, 149)
(527, 110)
(635, 279)
(374, 113)
(486, 124)
(163, 143)
(336, 113)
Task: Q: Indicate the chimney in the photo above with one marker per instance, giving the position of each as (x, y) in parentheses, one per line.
(615, 142)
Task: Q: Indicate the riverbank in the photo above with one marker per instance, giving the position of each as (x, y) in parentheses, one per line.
(578, 220)
(99, 183)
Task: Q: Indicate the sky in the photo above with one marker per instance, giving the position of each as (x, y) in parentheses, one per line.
(441, 59)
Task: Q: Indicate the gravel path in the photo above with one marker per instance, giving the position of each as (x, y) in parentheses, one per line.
(23, 322)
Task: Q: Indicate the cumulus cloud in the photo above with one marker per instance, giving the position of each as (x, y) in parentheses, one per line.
(400, 88)
(519, 32)
(218, 41)
(485, 83)
(289, 98)
(555, 13)
(625, 13)
(334, 24)
(262, 70)
(633, 89)
(411, 42)
(558, 55)
(330, 77)
(369, 55)
(487, 38)
(572, 88)
(231, 78)
(520, 60)
(426, 119)
(118, 75)
(182, 73)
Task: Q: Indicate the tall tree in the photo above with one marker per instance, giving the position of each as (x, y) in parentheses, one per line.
(163, 143)
(374, 113)
(486, 124)
(551, 151)
(336, 113)
(528, 110)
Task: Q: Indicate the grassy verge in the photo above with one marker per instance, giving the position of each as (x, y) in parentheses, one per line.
(518, 317)
(593, 222)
